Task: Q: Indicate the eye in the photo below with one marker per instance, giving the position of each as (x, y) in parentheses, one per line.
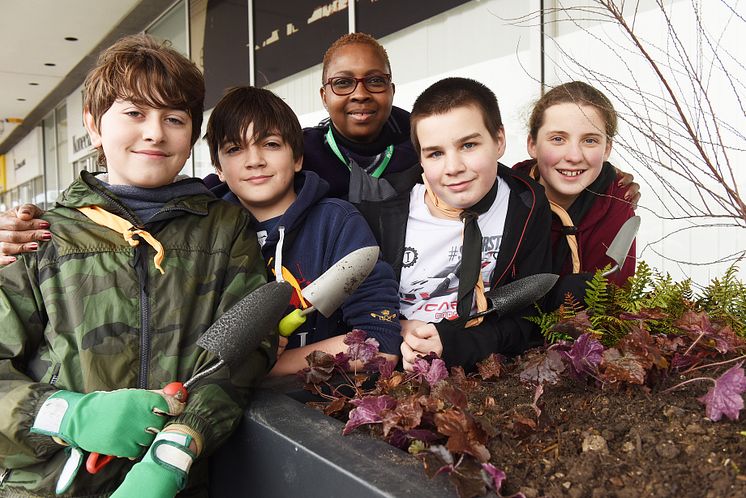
(231, 149)
(592, 140)
(376, 82)
(469, 145)
(273, 144)
(175, 120)
(434, 154)
(556, 139)
(342, 83)
(133, 113)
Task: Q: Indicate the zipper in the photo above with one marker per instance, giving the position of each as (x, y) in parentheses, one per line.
(55, 374)
(4, 476)
(141, 267)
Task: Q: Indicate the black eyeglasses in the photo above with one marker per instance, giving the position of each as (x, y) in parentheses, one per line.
(345, 85)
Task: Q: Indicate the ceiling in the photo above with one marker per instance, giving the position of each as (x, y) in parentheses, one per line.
(46, 46)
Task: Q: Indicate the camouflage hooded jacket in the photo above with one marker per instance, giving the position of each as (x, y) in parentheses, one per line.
(88, 312)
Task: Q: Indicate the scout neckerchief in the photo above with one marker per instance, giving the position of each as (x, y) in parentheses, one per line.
(387, 154)
(105, 218)
(470, 284)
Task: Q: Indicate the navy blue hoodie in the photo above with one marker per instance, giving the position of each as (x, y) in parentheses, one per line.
(319, 231)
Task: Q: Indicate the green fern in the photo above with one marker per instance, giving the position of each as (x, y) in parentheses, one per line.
(725, 299)
(545, 322)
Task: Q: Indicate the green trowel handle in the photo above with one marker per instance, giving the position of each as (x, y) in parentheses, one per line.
(292, 321)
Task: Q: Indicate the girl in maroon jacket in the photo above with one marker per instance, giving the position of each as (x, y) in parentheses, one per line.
(570, 138)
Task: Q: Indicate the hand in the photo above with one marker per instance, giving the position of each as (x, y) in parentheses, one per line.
(162, 472)
(20, 229)
(121, 423)
(633, 189)
(420, 339)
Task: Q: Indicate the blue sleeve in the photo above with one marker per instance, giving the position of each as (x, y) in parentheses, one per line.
(374, 307)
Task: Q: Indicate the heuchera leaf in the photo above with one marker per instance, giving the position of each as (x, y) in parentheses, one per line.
(584, 356)
(640, 343)
(463, 435)
(543, 368)
(493, 477)
(405, 416)
(726, 397)
(321, 366)
(715, 336)
(360, 348)
(433, 371)
(618, 368)
(573, 326)
(491, 367)
(368, 410)
(449, 393)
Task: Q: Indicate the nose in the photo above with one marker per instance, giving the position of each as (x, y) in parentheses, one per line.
(153, 129)
(253, 157)
(573, 153)
(453, 164)
(360, 93)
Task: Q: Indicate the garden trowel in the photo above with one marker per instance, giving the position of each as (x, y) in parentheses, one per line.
(333, 287)
(518, 294)
(232, 337)
(619, 247)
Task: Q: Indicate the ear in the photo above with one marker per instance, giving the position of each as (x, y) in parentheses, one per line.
(220, 174)
(322, 94)
(393, 88)
(607, 152)
(500, 142)
(90, 126)
(298, 164)
(531, 146)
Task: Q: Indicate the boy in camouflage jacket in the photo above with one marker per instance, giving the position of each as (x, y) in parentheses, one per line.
(104, 315)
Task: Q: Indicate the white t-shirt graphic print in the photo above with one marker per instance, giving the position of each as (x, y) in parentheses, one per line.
(428, 287)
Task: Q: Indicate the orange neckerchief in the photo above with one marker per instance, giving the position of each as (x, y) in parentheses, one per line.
(453, 213)
(105, 218)
(564, 217)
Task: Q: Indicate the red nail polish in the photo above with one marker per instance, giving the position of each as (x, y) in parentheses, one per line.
(43, 224)
(33, 246)
(46, 236)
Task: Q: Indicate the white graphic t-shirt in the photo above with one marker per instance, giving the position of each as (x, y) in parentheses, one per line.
(428, 287)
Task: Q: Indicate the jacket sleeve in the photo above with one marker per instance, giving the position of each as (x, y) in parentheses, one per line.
(22, 317)
(510, 334)
(374, 306)
(217, 402)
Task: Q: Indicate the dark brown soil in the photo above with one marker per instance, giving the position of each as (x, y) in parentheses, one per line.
(629, 443)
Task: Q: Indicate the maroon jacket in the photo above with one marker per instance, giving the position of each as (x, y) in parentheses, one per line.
(598, 218)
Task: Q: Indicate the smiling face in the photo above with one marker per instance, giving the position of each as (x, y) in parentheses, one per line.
(570, 149)
(459, 155)
(260, 173)
(144, 146)
(359, 116)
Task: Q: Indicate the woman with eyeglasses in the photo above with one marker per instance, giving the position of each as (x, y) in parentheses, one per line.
(365, 140)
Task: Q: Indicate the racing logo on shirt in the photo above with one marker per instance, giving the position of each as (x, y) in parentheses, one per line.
(410, 257)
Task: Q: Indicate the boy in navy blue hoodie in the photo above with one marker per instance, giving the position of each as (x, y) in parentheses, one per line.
(256, 146)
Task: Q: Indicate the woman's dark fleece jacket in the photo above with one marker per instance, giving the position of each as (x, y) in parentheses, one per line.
(318, 156)
(320, 231)
(525, 250)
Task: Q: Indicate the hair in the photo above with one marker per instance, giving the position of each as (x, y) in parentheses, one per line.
(574, 92)
(353, 39)
(244, 105)
(450, 93)
(147, 72)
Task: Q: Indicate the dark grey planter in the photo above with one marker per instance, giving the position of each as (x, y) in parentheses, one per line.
(283, 448)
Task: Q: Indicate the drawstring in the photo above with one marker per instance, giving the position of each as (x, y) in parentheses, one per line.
(105, 218)
(281, 273)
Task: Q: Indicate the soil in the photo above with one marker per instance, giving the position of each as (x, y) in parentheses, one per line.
(629, 443)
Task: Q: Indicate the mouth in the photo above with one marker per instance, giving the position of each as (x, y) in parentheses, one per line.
(361, 115)
(258, 179)
(459, 186)
(570, 173)
(151, 153)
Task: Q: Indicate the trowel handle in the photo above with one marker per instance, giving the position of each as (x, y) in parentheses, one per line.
(293, 320)
(177, 390)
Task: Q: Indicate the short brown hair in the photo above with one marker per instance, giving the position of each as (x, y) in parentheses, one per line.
(353, 39)
(147, 72)
(574, 92)
(244, 105)
(450, 93)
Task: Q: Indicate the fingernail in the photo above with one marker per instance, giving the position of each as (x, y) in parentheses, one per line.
(11, 259)
(46, 236)
(33, 246)
(25, 211)
(43, 224)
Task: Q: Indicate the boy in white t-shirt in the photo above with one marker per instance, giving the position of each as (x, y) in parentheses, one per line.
(466, 225)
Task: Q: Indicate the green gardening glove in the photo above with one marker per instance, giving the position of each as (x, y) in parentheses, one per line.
(163, 470)
(122, 423)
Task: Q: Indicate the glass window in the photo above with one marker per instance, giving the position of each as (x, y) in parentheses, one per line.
(172, 27)
(64, 168)
(50, 163)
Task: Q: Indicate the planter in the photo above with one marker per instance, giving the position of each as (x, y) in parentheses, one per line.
(283, 448)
